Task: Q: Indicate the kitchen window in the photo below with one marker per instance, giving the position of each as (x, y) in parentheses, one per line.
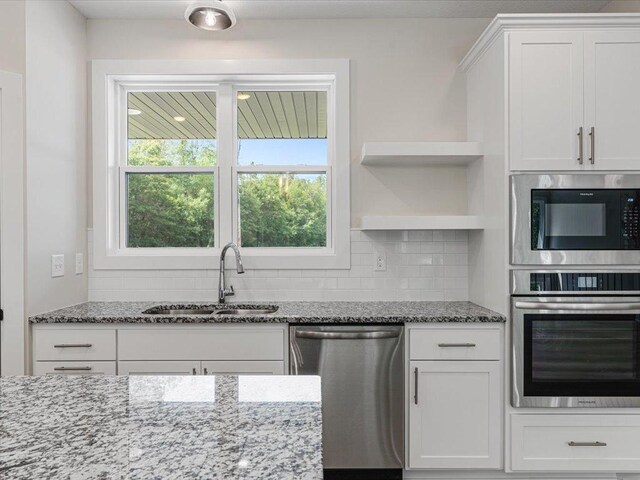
(188, 161)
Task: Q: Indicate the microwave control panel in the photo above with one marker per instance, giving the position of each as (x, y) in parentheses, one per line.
(630, 219)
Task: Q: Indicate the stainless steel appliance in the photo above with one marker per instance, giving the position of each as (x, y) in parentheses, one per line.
(580, 219)
(576, 338)
(362, 395)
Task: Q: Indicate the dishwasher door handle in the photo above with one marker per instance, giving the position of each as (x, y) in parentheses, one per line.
(345, 335)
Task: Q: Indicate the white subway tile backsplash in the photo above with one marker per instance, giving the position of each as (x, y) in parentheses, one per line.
(421, 265)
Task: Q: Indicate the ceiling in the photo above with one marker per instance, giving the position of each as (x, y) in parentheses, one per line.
(262, 115)
(314, 9)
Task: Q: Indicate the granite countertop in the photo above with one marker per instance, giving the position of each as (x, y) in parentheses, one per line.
(201, 427)
(288, 312)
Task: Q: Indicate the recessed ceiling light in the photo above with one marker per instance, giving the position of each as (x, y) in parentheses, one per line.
(210, 15)
(243, 96)
(179, 119)
(133, 111)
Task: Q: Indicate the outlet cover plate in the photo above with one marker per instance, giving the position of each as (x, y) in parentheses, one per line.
(380, 262)
(57, 266)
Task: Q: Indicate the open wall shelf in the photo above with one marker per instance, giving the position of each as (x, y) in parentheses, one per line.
(420, 153)
(423, 222)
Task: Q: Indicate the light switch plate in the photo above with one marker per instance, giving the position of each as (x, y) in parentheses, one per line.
(57, 266)
(79, 263)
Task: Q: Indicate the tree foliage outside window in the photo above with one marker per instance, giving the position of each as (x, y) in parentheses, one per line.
(177, 209)
(170, 209)
(282, 210)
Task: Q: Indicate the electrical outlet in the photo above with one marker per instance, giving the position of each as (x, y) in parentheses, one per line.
(79, 263)
(380, 262)
(57, 265)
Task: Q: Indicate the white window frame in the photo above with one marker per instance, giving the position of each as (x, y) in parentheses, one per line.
(111, 80)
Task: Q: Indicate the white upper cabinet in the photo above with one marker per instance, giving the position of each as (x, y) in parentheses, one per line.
(612, 99)
(574, 101)
(545, 100)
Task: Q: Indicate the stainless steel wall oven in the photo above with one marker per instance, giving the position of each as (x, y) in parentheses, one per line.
(576, 338)
(581, 219)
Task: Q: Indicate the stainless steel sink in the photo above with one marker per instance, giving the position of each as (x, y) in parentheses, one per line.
(248, 311)
(211, 309)
(162, 310)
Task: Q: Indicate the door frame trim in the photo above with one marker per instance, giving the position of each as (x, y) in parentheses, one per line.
(12, 253)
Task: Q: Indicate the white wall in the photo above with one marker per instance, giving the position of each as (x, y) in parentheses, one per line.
(12, 36)
(56, 148)
(622, 6)
(405, 85)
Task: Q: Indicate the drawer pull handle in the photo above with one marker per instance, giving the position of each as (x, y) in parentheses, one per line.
(73, 345)
(71, 369)
(587, 444)
(449, 345)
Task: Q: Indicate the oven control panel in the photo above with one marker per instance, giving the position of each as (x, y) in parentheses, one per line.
(576, 282)
(630, 219)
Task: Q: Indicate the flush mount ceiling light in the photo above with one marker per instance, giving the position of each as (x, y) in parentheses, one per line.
(133, 111)
(210, 15)
(179, 119)
(243, 96)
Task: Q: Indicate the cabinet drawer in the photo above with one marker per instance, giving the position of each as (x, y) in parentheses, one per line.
(455, 344)
(232, 343)
(51, 344)
(575, 442)
(74, 368)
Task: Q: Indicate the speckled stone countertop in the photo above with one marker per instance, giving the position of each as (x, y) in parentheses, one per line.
(201, 427)
(288, 312)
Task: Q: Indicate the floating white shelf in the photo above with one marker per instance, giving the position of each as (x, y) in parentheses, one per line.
(420, 153)
(427, 222)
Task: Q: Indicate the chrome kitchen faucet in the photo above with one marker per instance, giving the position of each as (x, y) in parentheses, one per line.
(222, 291)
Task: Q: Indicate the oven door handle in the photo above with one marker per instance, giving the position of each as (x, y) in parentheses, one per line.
(577, 306)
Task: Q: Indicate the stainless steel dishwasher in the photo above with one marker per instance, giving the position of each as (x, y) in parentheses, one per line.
(361, 367)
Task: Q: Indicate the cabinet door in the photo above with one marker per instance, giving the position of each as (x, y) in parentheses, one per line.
(159, 368)
(545, 100)
(455, 415)
(612, 99)
(243, 368)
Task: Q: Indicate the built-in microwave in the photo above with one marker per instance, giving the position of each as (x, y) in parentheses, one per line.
(581, 219)
(576, 338)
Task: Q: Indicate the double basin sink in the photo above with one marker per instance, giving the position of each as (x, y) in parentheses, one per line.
(217, 309)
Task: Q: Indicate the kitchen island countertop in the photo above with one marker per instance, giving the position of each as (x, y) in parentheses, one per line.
(200, 427)
(288, 312)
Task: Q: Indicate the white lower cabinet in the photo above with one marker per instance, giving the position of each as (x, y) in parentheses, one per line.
(160, 350)
(455, 414)
(184, 367)
(595, 443)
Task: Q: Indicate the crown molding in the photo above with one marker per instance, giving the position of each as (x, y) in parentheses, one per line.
(511, 22)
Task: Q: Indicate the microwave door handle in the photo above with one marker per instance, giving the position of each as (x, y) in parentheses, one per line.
(524, 305)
